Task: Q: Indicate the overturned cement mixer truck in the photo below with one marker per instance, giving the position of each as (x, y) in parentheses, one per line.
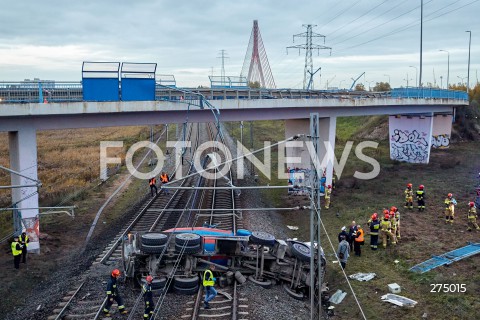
(182, 254)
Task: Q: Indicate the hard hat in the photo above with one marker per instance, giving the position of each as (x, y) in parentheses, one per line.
(344, 228)
(329, 187)
(387, 216)
(450, 195)
(116, 273)
(374, 216)
(409, 185)
(471, 204)
(149, 279)
(421, 187)
(385, 212)
(394, 209)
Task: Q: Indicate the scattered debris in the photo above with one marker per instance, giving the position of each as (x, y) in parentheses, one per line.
(363, 276)
(338, 296)
(394, 288)
(398, 300)
(424, 316)
(396, 261)
(447, 258)
(292, 227)
(39, 307)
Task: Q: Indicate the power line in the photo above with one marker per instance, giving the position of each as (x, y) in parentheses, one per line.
(408, 26)
(336, 30)
(356, 28)
(341, 12)
(377, 26)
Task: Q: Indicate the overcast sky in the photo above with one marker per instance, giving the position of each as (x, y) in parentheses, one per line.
(50, 39)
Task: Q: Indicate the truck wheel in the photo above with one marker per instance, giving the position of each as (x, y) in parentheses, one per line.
(262, 238)
(154, 239)
(188, 249)
(152, 249)
(301, 251)
(190, 239)
(186, 291)
(183, 282)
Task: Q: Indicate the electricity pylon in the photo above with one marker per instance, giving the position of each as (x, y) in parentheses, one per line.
(308, 47)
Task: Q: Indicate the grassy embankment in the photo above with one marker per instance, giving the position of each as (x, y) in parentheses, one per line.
(68, 167)
(423, 234)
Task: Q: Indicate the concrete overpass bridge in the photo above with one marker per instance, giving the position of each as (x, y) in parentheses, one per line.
(416, 115)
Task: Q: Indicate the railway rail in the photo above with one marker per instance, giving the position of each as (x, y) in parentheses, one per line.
(87, 300)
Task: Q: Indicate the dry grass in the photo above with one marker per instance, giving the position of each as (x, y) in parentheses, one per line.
(69, 159)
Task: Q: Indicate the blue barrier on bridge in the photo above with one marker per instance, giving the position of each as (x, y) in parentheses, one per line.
(428, 93)
(138, 81)
(100, 81)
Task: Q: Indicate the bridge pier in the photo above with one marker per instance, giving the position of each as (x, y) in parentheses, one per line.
(297, 152)
(23, 159)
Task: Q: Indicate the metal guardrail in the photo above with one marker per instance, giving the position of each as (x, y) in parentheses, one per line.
(55, 92)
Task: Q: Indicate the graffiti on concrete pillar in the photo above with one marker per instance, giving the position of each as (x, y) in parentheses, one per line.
(441, 141)
(409, 146)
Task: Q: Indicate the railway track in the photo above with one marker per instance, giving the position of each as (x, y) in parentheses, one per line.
(81, 303)
(227, 305)
(160, 213)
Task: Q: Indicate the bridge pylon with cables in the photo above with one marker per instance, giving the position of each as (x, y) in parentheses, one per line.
(255, 66)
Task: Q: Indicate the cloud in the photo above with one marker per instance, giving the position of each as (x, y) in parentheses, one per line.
(51, 39)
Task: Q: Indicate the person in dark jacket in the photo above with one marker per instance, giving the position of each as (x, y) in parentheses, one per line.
(343, 252)
(24, 242)
(113, 295)
(342, 233)
(16, 251)
(351, 232)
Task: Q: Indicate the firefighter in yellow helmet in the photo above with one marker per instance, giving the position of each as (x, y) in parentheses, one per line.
(328, 192)
(386, 228)
(409, 196)
(450, 203)
(472, 217)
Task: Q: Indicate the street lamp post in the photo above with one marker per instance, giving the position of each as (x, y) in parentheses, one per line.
(340, 84)
(416, 75)
(461, 79)
(407, 79)
(387, 75)
(468, 72)
(448, 66)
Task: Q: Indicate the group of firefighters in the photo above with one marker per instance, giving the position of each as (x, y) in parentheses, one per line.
(113, 294)
(389, 226)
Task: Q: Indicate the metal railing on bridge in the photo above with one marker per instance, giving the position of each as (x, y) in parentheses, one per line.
(57, 92)
(40, 92)
(428, 93)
